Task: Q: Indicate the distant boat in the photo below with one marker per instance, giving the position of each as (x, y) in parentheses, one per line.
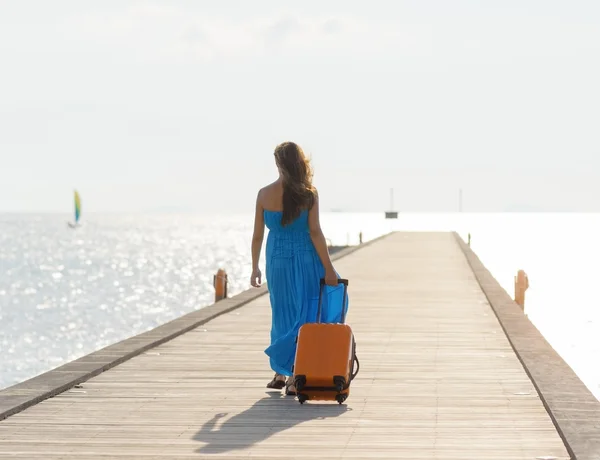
(391, 214)
(77, 200)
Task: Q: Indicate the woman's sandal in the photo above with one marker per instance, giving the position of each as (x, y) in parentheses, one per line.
(277, 383)
(288, 384)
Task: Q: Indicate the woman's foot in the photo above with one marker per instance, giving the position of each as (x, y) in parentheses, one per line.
(277, 383)
(290, 389)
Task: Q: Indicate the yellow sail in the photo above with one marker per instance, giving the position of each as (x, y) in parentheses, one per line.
(77, 206)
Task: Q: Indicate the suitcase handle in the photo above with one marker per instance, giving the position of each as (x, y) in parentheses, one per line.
(355, 373)
(340, 281)
(322, 285)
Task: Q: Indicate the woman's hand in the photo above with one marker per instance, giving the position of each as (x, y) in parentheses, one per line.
(331, 278)
(255, 279)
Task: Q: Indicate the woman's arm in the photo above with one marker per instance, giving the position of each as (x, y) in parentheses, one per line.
(257, 240)
(318, 239)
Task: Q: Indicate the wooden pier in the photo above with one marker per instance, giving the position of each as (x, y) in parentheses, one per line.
(441, 377)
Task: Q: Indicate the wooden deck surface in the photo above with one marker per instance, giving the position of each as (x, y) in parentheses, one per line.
(438, 380)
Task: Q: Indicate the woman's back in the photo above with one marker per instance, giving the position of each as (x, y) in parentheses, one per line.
(271, 200)
(273, 222)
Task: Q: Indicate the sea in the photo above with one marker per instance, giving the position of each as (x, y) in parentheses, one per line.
(65, 293)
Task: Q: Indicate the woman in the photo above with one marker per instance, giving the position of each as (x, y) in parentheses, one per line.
(296, 258)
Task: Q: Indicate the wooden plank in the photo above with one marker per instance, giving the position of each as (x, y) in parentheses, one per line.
(438, 380)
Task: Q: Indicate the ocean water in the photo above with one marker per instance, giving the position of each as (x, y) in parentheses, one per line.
(65, 293)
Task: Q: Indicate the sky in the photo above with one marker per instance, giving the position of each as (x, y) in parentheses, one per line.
(147, 106)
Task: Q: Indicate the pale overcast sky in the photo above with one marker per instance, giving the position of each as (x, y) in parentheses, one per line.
(145, 105)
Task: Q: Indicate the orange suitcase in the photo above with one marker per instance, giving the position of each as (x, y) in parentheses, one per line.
(325, 357)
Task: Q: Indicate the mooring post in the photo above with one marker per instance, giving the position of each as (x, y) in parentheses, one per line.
(521, 285)
(220, 285)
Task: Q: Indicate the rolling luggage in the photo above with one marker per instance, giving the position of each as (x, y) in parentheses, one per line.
(325, 357)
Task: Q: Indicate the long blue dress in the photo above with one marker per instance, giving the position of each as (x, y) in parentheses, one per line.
(293, 271)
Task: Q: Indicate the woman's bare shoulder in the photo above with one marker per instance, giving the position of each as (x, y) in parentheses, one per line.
(268, 189)
(270, 193)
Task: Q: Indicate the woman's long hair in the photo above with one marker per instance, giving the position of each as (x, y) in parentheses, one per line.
(296, 174)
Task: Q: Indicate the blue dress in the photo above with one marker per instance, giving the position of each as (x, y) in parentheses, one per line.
(293, 271)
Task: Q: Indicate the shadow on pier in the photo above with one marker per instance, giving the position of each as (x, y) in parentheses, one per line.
(266, 417)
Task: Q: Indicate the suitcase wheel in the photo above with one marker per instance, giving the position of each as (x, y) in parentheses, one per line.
(340, 398)
(339, 383)
(302, 398)
(300, 382)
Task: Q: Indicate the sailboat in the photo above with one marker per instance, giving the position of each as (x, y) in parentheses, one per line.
(77, 200)
(391, 214)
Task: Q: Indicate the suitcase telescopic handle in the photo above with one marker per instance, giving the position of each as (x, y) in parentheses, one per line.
(322, 285)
